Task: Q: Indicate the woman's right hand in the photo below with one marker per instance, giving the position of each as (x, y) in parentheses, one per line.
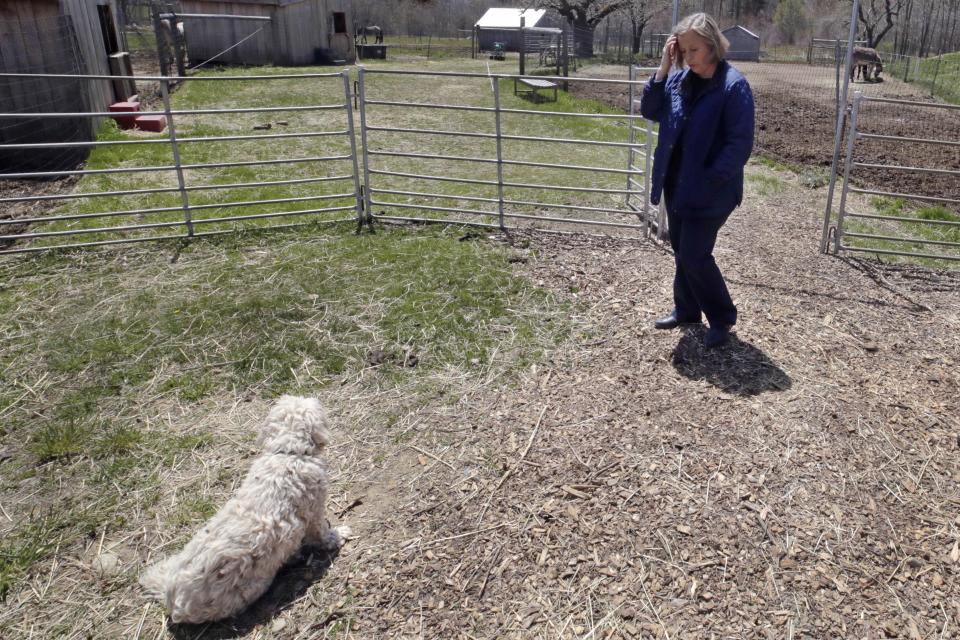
(669, 57)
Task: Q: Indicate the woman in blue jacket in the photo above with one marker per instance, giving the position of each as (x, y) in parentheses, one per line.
(705, 113)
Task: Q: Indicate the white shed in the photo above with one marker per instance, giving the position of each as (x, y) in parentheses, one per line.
(503, 25)
(744, 44)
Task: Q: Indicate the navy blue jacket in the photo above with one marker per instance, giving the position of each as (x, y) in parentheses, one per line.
(716, 140)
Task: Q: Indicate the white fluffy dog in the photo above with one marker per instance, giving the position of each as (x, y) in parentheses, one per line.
(280, 506)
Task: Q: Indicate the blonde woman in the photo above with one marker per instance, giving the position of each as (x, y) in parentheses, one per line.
(705, 110)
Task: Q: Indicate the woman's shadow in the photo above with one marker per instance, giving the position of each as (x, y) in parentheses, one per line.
(736, 367)
(291, 582)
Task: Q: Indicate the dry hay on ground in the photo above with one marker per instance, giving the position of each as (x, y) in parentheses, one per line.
(802, 482)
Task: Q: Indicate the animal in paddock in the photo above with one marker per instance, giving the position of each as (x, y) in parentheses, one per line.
(370, 30)
(866, 60)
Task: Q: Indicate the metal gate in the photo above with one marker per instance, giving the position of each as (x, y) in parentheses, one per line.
(512, 152)
(903, 222)
(196, 177)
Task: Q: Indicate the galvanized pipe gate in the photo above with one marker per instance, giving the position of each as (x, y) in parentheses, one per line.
(519, 177)
(506, 168)
(199, 166)
(911, 231)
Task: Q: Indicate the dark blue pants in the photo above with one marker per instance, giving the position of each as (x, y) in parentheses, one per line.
(698, 285)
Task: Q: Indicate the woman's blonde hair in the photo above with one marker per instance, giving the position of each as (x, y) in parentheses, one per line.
(706, 27)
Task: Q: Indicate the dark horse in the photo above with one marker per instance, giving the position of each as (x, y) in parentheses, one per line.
(370, 30)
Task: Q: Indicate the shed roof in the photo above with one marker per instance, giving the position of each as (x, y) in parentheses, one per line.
(509, 18)
(744, 29)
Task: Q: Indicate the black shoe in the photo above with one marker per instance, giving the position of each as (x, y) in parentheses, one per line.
(715, 337)
(672, 322)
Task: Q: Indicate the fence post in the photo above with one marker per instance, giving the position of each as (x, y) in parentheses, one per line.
(161, 43)
(353, 148)
(848, 162)
(496, 113)
(172, 134)
(523, 47)
(936, 72)
(368, 207)
(631, 95)
(838, 136)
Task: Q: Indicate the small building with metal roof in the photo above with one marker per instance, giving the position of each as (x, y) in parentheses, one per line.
(744, 44)
(501, 24)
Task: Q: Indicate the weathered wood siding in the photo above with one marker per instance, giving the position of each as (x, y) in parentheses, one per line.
(93, 50)
(208, 37)
(299, 29)
(43, 36)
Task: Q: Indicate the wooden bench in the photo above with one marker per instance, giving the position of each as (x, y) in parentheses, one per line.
(534, 85)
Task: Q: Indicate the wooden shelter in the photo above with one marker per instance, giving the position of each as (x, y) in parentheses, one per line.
(76, 37)
(298, 32)
(744, 44)
(500, 24)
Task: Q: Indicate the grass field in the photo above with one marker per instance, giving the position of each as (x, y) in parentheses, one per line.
(106, 355)
(938, 74)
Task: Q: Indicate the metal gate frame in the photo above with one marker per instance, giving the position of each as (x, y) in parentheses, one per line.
(839, 233)
(504, 211)
(188, 222)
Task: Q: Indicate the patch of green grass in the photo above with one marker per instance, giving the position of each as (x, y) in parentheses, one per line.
(766, 185)
(190, 386)
(937, 213)
(57, 440)
(191, 510)
(18, 552)
(943, 233)
(103, 335)
(888, 206)
(771, 163)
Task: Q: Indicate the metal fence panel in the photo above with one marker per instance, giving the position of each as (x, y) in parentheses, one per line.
(506, 154)
(211, 170)
(915, 210)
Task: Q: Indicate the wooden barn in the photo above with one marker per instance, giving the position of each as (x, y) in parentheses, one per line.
(744, 44)
(298, 32)
(61, 37)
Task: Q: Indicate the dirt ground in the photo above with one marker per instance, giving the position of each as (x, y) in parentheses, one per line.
(795, 124)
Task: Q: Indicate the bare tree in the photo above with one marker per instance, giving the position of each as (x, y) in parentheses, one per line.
(584, 15)
(877, 18)
(640, 13)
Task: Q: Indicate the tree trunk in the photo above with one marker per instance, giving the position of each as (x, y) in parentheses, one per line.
(636, 38)
(583, 36)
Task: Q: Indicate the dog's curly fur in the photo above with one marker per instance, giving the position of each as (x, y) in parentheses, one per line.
(280, 506)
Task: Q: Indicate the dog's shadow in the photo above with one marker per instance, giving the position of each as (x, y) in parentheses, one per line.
(737, 367)
(307, 567)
